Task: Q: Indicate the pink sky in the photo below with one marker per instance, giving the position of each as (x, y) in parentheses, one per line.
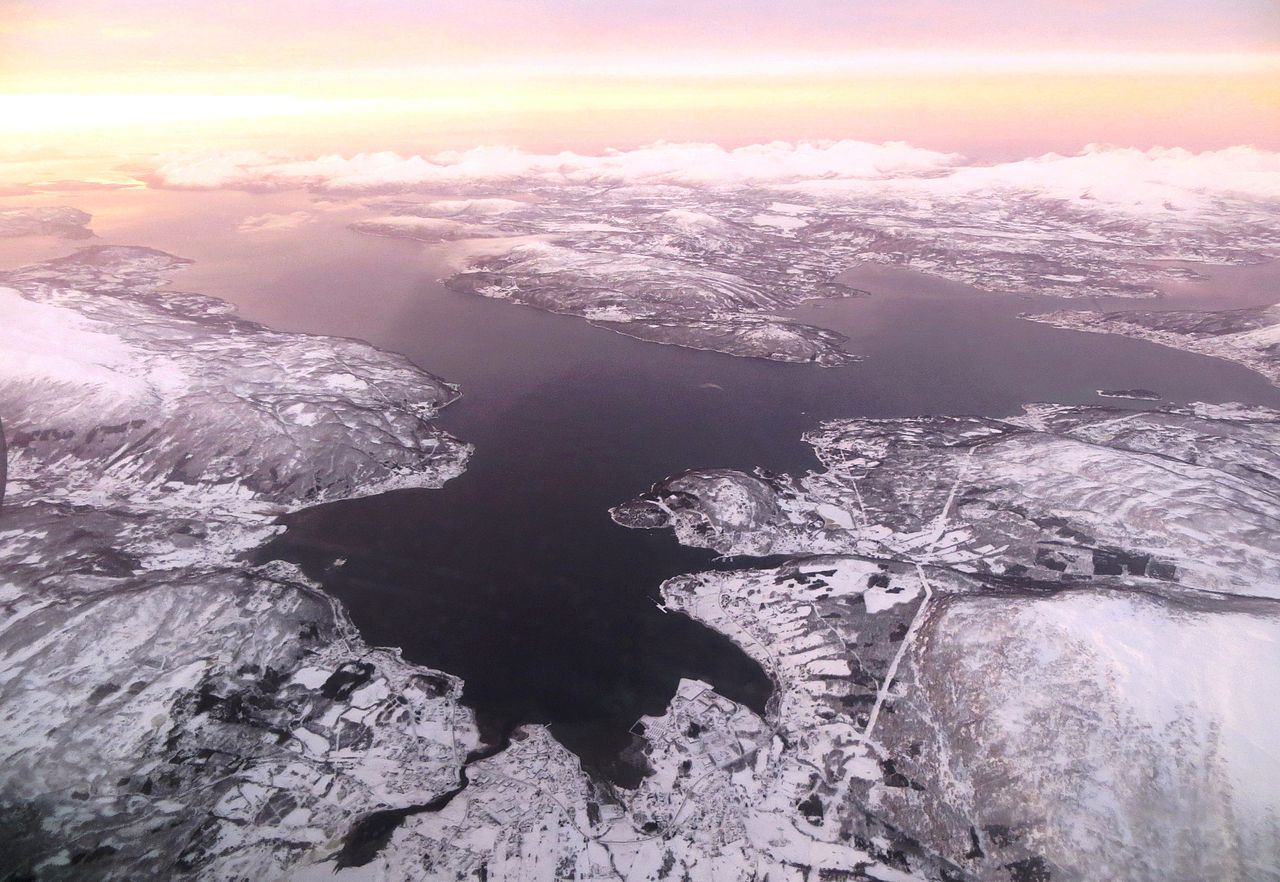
(948, 74)
(60, 38)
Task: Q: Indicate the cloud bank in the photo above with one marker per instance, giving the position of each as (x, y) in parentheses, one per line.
(692, 164)
(1115, 177)
(271, 222)
(1141, 180)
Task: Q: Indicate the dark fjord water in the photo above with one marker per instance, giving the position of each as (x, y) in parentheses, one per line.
(513, 576)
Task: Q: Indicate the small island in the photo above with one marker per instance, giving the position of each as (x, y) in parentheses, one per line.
(1135, 394)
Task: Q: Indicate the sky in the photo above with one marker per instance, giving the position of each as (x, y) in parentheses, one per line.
(585, 73)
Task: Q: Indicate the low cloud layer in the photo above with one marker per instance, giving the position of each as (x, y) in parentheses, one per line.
(680, 164)
(271, 222)
(1116, 177)
(1143, 180)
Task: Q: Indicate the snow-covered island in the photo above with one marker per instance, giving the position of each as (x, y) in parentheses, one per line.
(623, 262)
(1132, 394)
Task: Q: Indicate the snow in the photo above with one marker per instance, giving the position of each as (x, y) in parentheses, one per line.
(433, 225)
(40, 343)
(53, 220)
(1137, 182)
(878, 600)
(835, 515)
(1166, 669)
(1159, 179)
(691, 221)
(1123, 724)
(1149, 735)
(779, 221)
(489, 205)
(311, 678)
(132, 619)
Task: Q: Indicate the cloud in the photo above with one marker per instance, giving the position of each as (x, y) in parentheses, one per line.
(1125, 178)
(473, 207)
(691, 164)
(258, 223)
(426, 229)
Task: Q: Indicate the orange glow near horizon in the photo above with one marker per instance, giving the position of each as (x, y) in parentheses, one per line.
(144, 76)
(1189, 109)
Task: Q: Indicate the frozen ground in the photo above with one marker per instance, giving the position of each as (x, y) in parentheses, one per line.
(170, 711)
(984, 671)
(1043, 648)
(173, 712)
